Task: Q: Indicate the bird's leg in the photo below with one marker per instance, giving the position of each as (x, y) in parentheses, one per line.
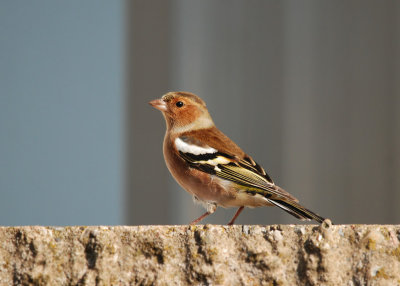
(200, 218)
(210, 209)
(236, 215)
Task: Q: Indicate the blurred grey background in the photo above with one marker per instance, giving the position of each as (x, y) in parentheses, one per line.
(61, 125)
(310, 89)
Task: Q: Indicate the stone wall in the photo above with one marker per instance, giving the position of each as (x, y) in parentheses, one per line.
(201, 255)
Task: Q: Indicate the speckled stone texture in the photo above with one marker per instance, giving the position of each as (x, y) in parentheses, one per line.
(201, 255)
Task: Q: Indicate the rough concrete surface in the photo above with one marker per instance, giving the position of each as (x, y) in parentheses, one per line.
(201, 255)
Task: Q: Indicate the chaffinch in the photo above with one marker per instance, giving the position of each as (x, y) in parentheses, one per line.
(211, 167)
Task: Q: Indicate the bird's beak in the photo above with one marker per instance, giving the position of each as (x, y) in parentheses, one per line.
(159, 104)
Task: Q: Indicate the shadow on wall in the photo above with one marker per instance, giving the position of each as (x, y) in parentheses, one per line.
(310, 90)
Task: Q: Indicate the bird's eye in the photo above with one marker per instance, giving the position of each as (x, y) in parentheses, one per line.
(179, 104)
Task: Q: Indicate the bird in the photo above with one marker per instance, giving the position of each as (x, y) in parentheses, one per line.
(211, 167)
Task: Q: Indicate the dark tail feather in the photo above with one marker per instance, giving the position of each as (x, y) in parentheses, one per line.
(296, 210)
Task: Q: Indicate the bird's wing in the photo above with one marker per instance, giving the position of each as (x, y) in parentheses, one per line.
(240, 169)
(205, 154)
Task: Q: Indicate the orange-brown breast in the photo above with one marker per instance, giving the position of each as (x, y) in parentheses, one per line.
(194, 181)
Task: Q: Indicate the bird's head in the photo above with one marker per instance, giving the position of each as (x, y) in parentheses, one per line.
(183, 111)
